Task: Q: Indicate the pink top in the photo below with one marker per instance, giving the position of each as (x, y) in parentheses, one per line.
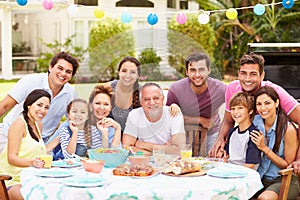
(287, 102)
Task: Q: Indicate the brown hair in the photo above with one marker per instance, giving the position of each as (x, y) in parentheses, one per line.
(282, 118)
(87, 124)
(195, 57)
(30, 99)
(136, 86)
(98, 89)
(253, 58)
(67, 57)
(244, 99)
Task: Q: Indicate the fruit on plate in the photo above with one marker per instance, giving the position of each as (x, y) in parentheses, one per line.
(182, 167)
(133, 170)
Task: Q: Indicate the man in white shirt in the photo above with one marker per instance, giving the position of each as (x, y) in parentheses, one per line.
(61, 69)
(152, 124)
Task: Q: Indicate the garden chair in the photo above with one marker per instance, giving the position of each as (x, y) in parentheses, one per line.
(197, 136)
(3, 191)
(285, 183)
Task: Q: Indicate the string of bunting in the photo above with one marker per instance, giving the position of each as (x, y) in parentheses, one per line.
(181, 18)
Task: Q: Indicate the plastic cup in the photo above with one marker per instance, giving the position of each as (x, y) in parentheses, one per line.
(186, 151)
(158, 154)
(47, 159)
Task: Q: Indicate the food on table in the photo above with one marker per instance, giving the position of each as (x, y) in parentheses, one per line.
(139, 160)
(69, 162)
(182, 167)
(134, 170)
(164, 159)
(108, 150)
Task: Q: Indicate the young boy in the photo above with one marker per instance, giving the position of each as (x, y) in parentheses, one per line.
(240, 149)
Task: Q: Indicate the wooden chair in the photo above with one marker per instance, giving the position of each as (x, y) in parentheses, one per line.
(285, 183)
(3, 191)
(197, 136)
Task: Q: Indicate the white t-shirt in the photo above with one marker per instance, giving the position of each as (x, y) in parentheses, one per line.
(58, 106)
(160, 132)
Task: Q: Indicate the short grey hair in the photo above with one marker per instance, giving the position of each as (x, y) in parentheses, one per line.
(151, 84)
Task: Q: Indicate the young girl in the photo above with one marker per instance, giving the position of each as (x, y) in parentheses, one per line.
(75, 133)
(277, 139)
(240, 148)
(86, 130)
(25, 143)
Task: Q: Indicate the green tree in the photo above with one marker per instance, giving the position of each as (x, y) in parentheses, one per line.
(277, 24)
(150, 65)
(54, 48)
(185, 39)
(109, 41)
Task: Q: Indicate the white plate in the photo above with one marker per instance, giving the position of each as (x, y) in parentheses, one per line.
(226, 173)
(54, 174)
(64, 164)
(85, 182)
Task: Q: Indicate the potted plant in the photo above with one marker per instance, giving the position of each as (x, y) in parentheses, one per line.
(21, 49)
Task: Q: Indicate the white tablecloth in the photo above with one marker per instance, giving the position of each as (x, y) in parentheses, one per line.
(156, 187)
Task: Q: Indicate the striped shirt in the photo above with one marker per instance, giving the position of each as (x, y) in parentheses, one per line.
(65, 136)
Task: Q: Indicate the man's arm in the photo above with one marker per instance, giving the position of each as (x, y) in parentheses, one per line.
(295, 117)
(205, 122)
(136, 145)
(218, 148)
(6, 104)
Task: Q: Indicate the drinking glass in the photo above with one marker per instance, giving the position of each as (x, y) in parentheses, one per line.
(186, 151)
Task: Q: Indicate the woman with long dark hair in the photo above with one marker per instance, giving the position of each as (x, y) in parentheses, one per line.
(25, 143)
(278, 141)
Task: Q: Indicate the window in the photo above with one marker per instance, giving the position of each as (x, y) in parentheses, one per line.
(183, 5)
(134, 3)
(86, 2)
(171, 4)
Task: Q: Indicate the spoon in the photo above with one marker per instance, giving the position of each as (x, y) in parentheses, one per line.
(131, 150)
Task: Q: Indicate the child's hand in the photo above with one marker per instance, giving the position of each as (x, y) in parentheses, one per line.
(73, 126)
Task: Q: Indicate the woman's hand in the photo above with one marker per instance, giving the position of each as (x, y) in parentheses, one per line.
(38, 163)
(174, 109)
(107, 122)
(258, 139)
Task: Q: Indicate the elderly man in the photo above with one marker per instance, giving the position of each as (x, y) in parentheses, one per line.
(152, 124)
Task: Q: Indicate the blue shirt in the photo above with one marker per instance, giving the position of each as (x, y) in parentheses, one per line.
(267, 169)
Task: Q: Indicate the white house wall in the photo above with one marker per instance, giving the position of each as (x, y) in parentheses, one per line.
(57, 24)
